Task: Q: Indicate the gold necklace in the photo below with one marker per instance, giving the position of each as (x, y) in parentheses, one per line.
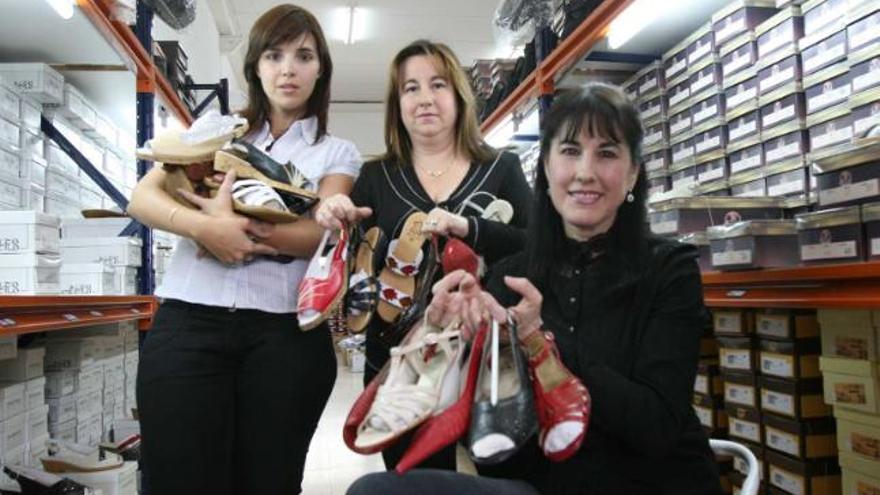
(434, 173)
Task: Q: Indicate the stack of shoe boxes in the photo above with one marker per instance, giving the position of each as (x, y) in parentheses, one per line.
(130, 364)
(850, 366)
(26, 372)
(100, 265)
(16, 188)
(74, 388)
(125, 277)
(800, 446)
(29, 253)
(737, 362)
(13, 422)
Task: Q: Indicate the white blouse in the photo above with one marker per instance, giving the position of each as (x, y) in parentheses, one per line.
(261, 284)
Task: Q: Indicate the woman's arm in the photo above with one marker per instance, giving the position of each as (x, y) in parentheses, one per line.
(649, 411)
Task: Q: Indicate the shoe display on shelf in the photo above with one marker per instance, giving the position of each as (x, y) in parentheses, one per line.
(503, 416)
(397, 280)
(561, 400)
(35, 482)
(363, 286)
(65, 457)
(249, 162)
(423, 379)
(324, 282)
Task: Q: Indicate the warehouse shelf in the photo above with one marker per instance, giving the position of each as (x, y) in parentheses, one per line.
(29, 314)
(851, 285)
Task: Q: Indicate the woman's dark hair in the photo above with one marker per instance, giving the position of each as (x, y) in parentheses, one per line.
(277, 26)
(605, 111)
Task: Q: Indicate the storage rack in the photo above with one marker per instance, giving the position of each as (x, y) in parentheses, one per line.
(27, 314)
(854, 285)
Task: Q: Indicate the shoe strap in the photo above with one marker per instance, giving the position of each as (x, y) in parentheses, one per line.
(255, 193)
(402, 267)
(394, 296)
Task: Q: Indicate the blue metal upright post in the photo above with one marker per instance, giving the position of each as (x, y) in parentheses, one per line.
(145, 107)
(545, 42)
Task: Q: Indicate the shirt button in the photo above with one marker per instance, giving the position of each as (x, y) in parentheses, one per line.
(577, 272)
(572, 299)
(571, 328)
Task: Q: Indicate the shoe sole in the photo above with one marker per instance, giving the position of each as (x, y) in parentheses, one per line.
(224, 162)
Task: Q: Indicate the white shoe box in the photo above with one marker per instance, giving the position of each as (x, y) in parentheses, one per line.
(60, 383)
(11, 399)
(112, 351)
(29, 274)
(35, 393)
(62, 184)
(119, 481)
(30, 113)
(10, 132)
(8, 347)
(32, 145)
(113, 251)
(10, 162)
(104, 133)
(12, 432)
(36, 449)
(11, 197)
(29, 232)
(89, 404)
(37, 423)
(87, 279)
(58, 160)
(91, 228)
(125, 280)
(88, 430)
(65, 431)
(89, 196)
(74, 354)
(13, 456)
(77, 108)
(61, 206)
(27, 364)
(61, 410)
(10, 102)
(36, 80)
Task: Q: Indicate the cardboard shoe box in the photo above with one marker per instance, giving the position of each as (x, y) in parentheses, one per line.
(741, 389)
(851, 384)
(27, 364)
(29, 274)
(858, 434)
(807, 439)
(786, 324)
(744, 423)
(28, 231)
(797, 399)
(850, 334)
(794, 359)
(831, 236)
(815, 477)
(733, 322)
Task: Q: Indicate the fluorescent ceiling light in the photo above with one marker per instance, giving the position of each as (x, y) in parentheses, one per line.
(63, 7)
(639, 15)
(349, 24)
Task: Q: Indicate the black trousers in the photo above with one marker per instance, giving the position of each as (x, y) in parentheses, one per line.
(229, 400)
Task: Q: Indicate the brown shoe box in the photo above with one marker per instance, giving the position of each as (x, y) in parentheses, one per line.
(711, 413)
(738, 18)
(827, 130)
(712, 170)
(832, 88)
(792, 359)
(737, 354)
(780, 31)
(853, 334)
(819, 52)
(741, 389)
(787, 113)
(733, 322)
(740, 466)
(786, 324)
(744, 423)
(797, 399)
(812, 477)
(741, 96)
(858, 434)
(745, 128)
(784, 68)
(708, 381)
(831, 236)
(806, 439)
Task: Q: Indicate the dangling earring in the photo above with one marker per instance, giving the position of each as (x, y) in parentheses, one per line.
(629, 196)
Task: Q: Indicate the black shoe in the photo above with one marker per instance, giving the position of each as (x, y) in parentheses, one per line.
(34, 482)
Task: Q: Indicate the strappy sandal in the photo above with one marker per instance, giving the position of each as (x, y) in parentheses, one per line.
(503, 417)
(198, 144)
(255, 199)
(324, 283)
(423, 378)
(498, 210)
(392, 334)
(362, 297)
(249, 162)
(397, 282)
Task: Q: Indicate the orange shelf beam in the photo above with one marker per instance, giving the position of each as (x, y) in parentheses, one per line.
(136, 57)
(541, 80)
(851, 285)
(28, 314)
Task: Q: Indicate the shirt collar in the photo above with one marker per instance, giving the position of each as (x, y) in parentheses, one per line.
(306, 128)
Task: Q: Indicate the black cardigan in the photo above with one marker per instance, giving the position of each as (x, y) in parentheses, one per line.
(393, 191)
(629, 325)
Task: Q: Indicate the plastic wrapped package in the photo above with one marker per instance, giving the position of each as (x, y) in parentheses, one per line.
(515, 20)
(178, 14)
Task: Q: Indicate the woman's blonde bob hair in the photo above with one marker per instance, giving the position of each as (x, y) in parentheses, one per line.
(468, 141)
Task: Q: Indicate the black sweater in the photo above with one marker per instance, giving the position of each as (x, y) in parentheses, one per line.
(629, 325)
(394, 191)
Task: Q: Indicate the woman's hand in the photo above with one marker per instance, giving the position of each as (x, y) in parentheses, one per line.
(527, 313)
(338, 210)
(227, 236)
(442, 222)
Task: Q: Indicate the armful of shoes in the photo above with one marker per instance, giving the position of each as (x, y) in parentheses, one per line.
(301, 238)
(223, 233)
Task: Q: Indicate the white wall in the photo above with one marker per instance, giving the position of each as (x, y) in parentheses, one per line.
(362, 124)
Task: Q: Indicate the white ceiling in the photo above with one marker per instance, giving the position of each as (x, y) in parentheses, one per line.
(360, 69)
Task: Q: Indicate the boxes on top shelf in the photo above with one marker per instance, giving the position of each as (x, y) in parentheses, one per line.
(680, 126)
(10, 102)
(783, 115)
(780, 31)
(651, 81)
(748, 184)
(10, 132)
(685, 215)
(675, 61)
(713, 169)
(87, 279)
(798, 399)
(701, 44)
(748, 158)
(745, 130)
(831, 87)
(77, 108)
(113, 251)
(830, 236)
(820, 53)
(865, 105)
(740, 16)
(738, 55)
(782, 70)
(822, 17)
(29, 274)
(785, 148)
(36, 80)
(788, 179)
(707, 112)
(678, 95)
(704, 79)
(741, 97)
(829, 129)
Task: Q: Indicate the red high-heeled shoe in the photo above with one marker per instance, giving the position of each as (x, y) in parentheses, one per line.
(562, 404)
(445, 428)
(324, 283)
(459, 256)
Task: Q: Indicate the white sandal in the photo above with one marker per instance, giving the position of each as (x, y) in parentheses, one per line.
(66, 457)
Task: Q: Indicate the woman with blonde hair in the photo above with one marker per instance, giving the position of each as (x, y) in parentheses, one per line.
(437, 177)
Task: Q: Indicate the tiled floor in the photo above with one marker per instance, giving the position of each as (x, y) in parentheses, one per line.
(330, 466)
